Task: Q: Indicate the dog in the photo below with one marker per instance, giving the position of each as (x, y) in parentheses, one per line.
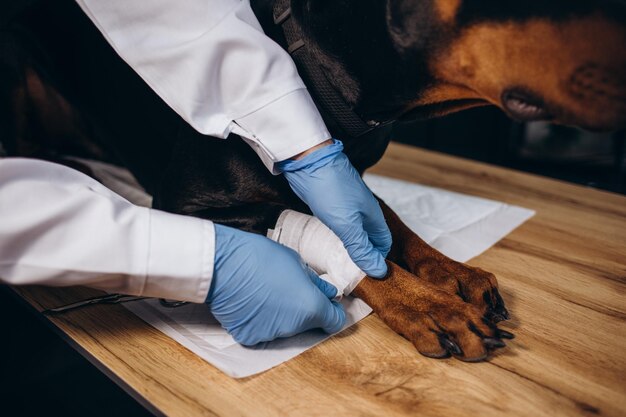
(65, 92)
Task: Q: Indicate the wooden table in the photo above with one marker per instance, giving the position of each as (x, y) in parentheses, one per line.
(562, 274)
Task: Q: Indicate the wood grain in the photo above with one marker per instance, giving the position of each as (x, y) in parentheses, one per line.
(563, 275)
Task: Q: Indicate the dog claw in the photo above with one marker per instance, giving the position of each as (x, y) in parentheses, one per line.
(496, 312)
(445, 355)
(493, 343)
(449, 345)
(487, 299)
(499, 305)
(495, 317)
(503, 334)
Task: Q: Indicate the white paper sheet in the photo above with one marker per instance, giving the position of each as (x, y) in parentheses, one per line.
(458, 225)
(195, 328)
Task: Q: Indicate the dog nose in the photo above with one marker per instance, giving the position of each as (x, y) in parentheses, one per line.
(601, 87)
(524, 105)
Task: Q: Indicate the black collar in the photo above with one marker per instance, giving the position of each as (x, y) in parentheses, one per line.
(328, 99)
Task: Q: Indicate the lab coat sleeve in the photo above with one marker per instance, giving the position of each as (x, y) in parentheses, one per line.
(210, 61)
(59, 227)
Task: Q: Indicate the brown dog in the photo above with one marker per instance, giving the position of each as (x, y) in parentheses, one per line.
(385, 60)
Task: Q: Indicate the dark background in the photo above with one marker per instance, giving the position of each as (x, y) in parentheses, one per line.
(486, 134)
(41, 375)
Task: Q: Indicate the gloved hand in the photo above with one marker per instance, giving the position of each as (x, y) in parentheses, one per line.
(334, 191)
(262, 290)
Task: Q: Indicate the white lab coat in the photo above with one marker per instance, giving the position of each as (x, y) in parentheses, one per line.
(210, 62)
(60, 227)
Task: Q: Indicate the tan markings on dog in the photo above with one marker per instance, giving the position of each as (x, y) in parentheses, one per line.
(421, 312)
(438, 296)
(54, 112)
(447, 9)
(444, 92)
(577, 67)
(430, 265)
(45, 120)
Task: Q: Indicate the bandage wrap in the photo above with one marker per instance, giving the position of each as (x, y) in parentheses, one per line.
(319, 247)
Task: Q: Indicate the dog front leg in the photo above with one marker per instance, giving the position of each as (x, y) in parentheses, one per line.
(468, 283)
(436, 323)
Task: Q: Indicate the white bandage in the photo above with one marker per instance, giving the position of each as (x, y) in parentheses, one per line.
(319, 247)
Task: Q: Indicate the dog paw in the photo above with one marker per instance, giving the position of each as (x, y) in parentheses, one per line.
(473, 285)
(438, 325)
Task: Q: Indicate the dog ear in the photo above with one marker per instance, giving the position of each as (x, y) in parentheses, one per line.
(410, 23)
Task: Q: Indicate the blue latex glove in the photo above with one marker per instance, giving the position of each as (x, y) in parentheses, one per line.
(262, 290)
(336, 194)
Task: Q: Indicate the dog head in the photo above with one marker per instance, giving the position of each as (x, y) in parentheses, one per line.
(558, 60)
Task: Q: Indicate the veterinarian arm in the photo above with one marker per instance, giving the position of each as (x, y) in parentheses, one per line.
(59, 227)
(210, 61)
(336, 194)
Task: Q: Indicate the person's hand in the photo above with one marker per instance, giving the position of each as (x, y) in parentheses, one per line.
(262, 290)
(334, 191)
